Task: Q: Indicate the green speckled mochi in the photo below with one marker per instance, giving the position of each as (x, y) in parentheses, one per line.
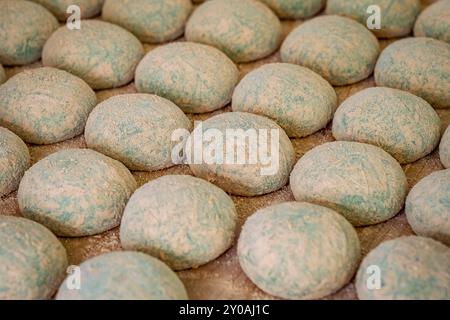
(76, 192)
(339, 49)
(418, 65)
(360, 181)
(444, 148)
(151, 21)
(411, 268)
(32, 260)
(102, 54)
(24, 28)
(136, 129)
(295, 9)
(45, 105)
(299, 100)
(298, 250)
(88, 8)
(244, 179)
(183, 220)
(197, 77)
(434, 22)
(2, 74)
(125, 275)
(14, 160)
(245, 30)
(397, 16)
(428, 207)
(401, 123)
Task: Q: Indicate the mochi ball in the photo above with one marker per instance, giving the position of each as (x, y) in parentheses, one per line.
(125, 275)
(401, 123)
(151, 21)
(24, 28)
(298, 99)
(434, 22)
(14, 160)
(298, 250)
(189, 232)
(246, 30)
(76, 192)
(88, 8)
(45, 105)
(362, 182)
(196, 77)
(339, 49)
(420, 66)
(444, 148)
(409, 268)
(102, 54)
(295, 9)
(32, 260)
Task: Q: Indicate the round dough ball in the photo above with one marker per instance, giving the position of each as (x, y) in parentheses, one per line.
(418, 65)
(397, 17)
(360, 181)
(102, 54)
(401, 123)
(14, 160)
(428, 207)
(411, 268)
(2, 74)
(33, 262)
(298, 99)
(125, 275)
(24, 28)
(245, 30)
(186, 233)
(151, 21)
(295, 9)
(198, 78)
(298, 250)
(45, 105)
(434, 22)
(444, 148)
(88, 8)
(136, 129)
(242, 153)
(339, 49)
(76, 192)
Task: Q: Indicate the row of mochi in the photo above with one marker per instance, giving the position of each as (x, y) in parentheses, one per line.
(338, 48)
(292, 250)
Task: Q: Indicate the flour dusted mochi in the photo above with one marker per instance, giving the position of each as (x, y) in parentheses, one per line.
(24, 28)
(340, 49)
(295, 9)
(102, 54)
(444, 148)
(397, 17)
(76, 192)
(418, 65)
(411, 268)
(434, 22)
(88, 8)
(245, 30)
(298, 250)
(32, 260)
(45, 105)
(194, 229)
(2, 74)
(196, 77)
(125, 275)
(136, 129)
(242, 153)
(298, 99)
(401, 123)
(151, 21)
(14, 160)
(360, 181)
(428, 207)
